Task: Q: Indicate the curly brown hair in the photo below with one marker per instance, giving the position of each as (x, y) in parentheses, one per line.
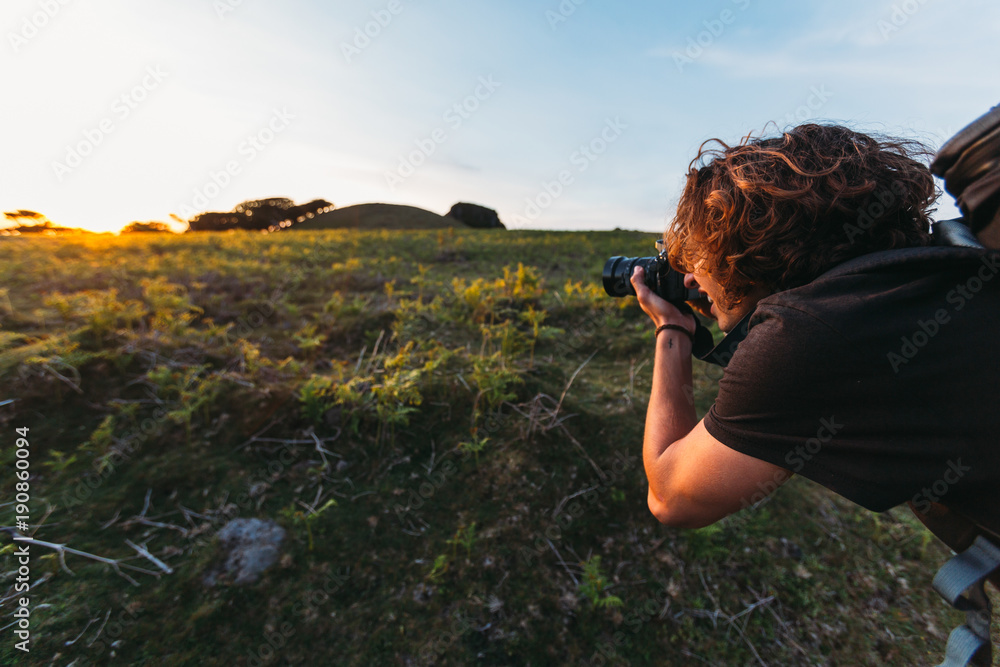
(775, 213)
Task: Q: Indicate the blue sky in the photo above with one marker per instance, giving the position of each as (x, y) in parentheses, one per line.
(571, 114)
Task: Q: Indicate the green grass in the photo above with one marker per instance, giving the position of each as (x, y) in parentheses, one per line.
(146, 364)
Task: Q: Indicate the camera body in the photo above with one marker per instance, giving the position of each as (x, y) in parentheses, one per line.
(660, 278)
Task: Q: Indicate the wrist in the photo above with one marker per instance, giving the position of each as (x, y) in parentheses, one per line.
(681, 330)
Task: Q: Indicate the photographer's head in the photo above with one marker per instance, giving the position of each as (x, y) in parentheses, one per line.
(770, 214)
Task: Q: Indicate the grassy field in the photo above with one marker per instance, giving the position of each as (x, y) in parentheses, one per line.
(479, 499)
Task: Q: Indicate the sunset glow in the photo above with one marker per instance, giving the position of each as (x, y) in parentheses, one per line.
(130, 112)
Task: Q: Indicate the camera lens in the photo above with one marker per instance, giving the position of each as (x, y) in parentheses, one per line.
(618, 275)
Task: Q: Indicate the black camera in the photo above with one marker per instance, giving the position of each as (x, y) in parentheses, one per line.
(660, 278)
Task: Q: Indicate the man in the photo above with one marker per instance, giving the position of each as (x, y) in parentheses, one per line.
(872, 373)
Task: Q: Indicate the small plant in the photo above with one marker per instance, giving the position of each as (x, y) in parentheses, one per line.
(494, 381)
(439, 568)
(103, 436)
(594, 584)
(510, 338)
(465, 537)
(588, 295)
(314, 396)
(474, 445)
(170, 307)
(307, 518)
(307, 338)
(525, 283)
(101, 310)
(420, 280)
(189, 390)
(478, 298)
(535, 319)
(58, 461)
(339, 306)
(702, 546)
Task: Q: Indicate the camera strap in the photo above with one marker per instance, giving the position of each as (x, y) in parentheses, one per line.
(706, 350)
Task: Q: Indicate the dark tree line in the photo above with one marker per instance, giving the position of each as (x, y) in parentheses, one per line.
(146, 227)
(31, 222)
(259, 215)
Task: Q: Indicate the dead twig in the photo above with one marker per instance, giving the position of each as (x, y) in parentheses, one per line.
(430, 466)
(361, 357)
(322, 450)
(145, 504)
(573, 377)
(41, 580)
(62, 550)
(75, 386)
(565, 500)
(371, 359)
(562, 562)
(150, 557)
(100, 629)
(112, 521)
(732, 620)
(82, 632)
(254, 437)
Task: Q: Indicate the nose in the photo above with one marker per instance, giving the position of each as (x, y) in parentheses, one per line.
(690, 282)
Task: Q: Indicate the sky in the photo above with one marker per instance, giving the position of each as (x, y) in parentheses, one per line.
(559, 114)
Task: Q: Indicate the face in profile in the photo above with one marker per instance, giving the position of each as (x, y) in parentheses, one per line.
(712, 304)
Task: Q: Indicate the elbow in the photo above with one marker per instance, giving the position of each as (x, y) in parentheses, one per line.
(677, 514)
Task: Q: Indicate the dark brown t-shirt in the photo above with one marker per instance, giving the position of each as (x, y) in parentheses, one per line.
(878, 380)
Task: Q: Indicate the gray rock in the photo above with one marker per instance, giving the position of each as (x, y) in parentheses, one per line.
(476, 216)
(252, 546)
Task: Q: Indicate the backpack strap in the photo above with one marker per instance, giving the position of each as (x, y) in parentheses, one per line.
(961, 582)
(969, 163)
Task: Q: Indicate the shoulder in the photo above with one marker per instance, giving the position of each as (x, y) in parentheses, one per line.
(791, 325)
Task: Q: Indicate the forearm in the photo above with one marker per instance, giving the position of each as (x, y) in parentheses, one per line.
(670, 415)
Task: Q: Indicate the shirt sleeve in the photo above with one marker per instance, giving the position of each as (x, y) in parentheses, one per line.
(792, 395)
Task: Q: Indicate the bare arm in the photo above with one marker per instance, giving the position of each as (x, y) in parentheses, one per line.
(694, 480)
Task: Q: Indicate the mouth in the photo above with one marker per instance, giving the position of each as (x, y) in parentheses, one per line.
(704, 306)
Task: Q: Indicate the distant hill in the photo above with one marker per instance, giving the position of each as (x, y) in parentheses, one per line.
(378, 216)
